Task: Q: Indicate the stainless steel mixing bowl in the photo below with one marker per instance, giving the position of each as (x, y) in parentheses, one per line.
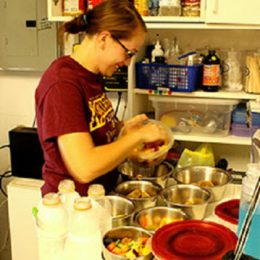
(147, 187)
(122, 232)
(214, 179)
(193, 200)
(122, 210)
(155, 217)
(158, 174)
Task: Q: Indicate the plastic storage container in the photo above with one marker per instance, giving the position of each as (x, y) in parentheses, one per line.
(194, 116)
(172, 77)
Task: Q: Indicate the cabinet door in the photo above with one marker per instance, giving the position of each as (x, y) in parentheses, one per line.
(25, 32)
(21, 32)
(233, 11)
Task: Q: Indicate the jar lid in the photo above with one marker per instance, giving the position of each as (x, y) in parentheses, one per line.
(66, 185)
(51, 199)
(82, 203)
(193, 239)
(96, 190)
(228, 211)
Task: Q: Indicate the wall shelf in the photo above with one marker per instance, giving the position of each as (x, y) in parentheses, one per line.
(202, 94)
(230, 139)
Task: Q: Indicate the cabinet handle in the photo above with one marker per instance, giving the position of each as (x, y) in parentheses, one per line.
(215, 8)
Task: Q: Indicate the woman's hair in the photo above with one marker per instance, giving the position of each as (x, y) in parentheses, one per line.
(119, 17)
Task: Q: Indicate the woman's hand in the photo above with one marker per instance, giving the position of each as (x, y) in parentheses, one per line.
(136, 121)
(147, 131)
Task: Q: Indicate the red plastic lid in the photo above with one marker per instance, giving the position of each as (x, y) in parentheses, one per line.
(193, 240)
(228, 211)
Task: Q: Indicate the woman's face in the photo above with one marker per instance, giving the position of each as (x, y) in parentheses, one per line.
(118, 53)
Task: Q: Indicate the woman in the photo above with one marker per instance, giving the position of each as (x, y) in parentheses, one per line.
(75, 120)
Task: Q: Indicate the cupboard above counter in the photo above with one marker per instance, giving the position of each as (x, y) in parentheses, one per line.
(214, 14)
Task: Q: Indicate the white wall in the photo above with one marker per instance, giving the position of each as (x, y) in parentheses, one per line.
(16, 106)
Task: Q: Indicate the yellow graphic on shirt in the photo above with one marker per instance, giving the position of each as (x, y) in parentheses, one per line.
(101, 108)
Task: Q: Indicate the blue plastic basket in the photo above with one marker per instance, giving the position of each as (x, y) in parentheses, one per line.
(173, 77)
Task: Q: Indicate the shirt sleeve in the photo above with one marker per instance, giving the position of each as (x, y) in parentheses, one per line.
(64, 111)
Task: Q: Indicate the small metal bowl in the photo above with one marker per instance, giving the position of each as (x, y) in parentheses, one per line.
(193, 200)
(158, 174)
(153, 218)
(122, 232)
(122, 210)
(214, 179)
(125, 188)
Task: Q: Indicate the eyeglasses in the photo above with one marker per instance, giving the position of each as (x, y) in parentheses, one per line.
(129, 53)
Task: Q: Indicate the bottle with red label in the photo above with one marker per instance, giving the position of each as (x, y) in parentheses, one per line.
(211, 72)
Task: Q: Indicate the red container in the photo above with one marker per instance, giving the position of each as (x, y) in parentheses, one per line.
(193, 240)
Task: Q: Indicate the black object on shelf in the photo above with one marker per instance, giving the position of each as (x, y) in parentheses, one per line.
(26, 153)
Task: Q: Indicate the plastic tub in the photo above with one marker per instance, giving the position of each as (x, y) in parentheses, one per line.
(201, 116)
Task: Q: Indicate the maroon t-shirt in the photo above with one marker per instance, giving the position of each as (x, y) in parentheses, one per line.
(70, 99)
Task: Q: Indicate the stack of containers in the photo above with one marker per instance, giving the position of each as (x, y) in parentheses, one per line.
(240, 124)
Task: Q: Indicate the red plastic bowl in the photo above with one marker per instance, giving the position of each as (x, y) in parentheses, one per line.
(228, 211)
(193, 240)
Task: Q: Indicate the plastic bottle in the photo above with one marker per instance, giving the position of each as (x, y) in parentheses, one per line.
(157, 52)
(52, 225)
(248, 186)
(68, 194)
(97, 193)
(211, 72)
(84, 239)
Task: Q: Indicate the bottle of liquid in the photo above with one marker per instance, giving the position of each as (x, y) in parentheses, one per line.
(211, 72)
(157, 52)
(248, 187)
(84, 239)
(68, 194)
(97, 193)
(52, 225)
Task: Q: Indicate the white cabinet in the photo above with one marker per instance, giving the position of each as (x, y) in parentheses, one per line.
(25, 33)
(233, 12)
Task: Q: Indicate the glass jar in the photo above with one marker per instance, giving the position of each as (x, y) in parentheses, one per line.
(232, 71)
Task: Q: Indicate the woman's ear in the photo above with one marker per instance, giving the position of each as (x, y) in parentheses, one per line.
(102, 39)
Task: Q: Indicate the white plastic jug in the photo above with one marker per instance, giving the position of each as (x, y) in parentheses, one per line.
(52, 224)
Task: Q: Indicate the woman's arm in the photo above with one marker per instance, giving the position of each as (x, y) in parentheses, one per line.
(85, 161)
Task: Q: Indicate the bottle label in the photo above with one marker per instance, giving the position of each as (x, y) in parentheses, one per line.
(211, 75)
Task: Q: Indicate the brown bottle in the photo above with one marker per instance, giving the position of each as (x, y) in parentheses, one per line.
(211, 72)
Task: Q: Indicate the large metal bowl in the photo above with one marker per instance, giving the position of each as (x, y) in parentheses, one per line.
(127, 187)
(158, 174)
(214, 179)
(193, 200)
(153, 218)
(122, 232)
(122, 210)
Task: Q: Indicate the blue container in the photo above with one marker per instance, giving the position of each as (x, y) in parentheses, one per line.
(248, 186)
(239, 115)
(172, 77)
(255, 119)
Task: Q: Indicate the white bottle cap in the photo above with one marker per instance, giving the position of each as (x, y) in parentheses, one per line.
(96, 190)
(82, 203)
(51, 199)
(66, 185)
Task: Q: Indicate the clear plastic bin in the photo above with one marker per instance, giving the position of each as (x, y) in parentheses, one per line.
(194, 115)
